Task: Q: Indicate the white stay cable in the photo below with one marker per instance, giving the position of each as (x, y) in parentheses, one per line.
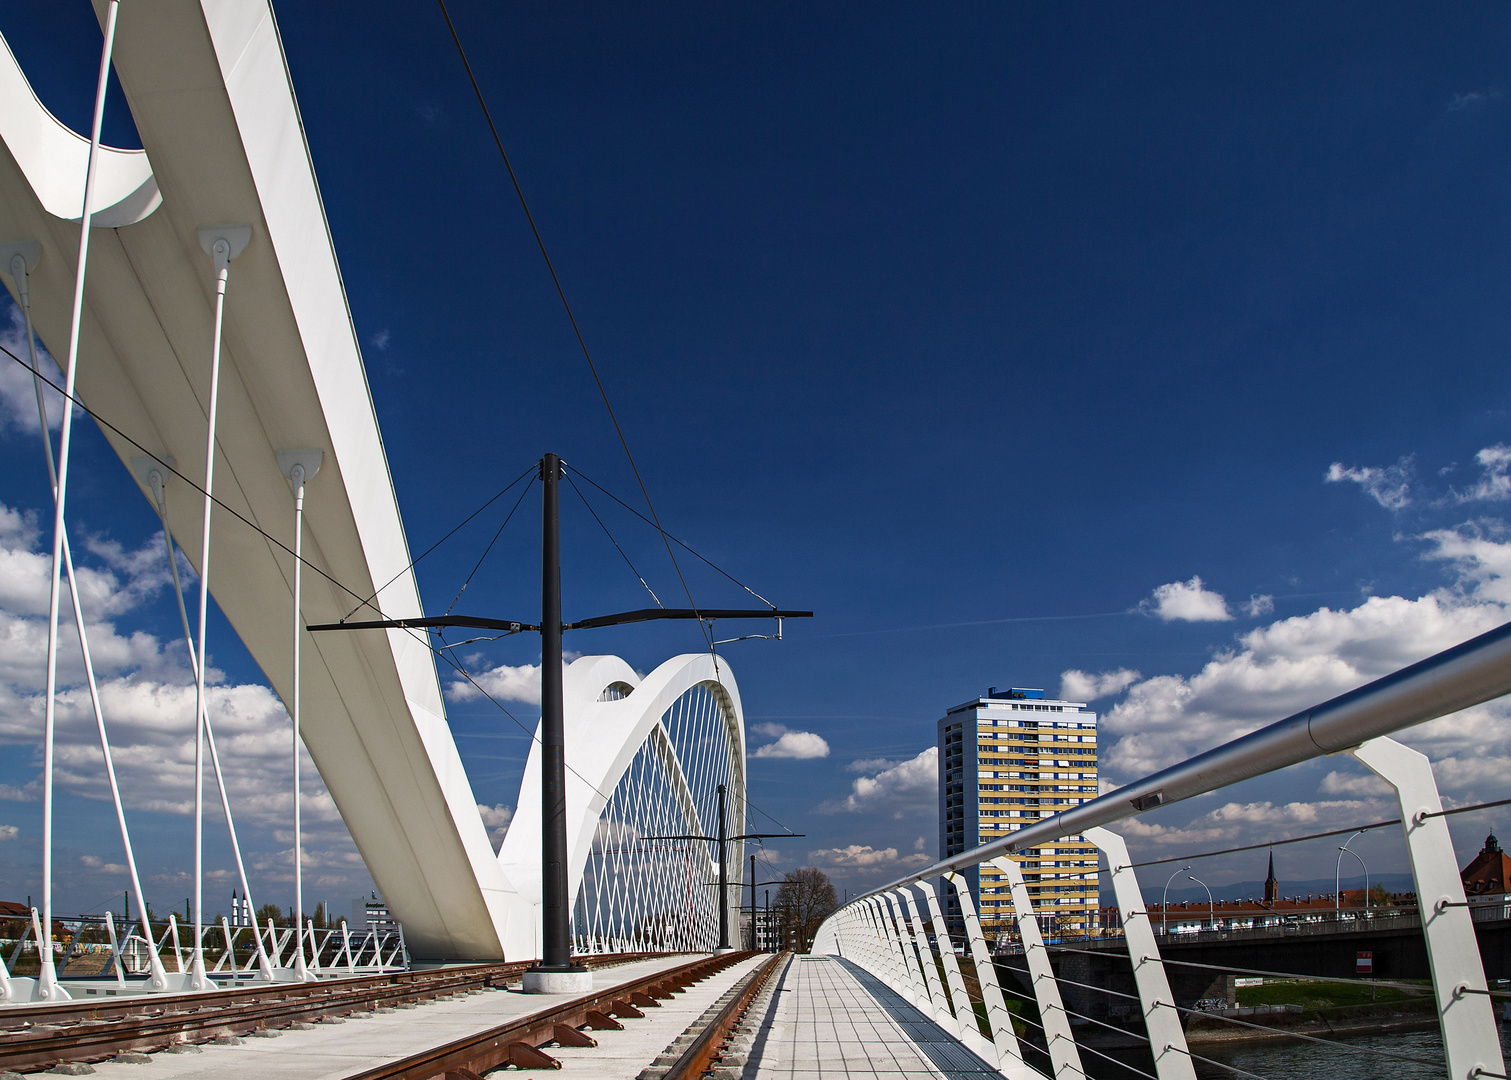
(47, 977)
(159, 494)
(158, 978)
(220, 251)
(296, 474)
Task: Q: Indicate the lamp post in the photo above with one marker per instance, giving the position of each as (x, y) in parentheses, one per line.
(1164, 904)
(1211, 907)
(1338, 873)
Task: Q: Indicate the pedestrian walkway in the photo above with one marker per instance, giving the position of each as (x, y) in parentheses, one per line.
(833, 1020)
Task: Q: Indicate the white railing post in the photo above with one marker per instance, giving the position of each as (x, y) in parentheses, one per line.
(960, 1002)
(1470, 1039)
(1063, 1055)
(1167, 1040)
(885, 962)
(115, 948)
(998, 1020)
(942, 1014)
(916, 990)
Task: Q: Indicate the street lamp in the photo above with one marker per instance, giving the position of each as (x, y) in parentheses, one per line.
(1338, 873)
(1164, 904)
(1211, 907)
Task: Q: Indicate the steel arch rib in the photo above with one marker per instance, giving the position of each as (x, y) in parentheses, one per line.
(603, 738)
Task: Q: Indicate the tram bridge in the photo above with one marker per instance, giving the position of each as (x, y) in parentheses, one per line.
(194, 291)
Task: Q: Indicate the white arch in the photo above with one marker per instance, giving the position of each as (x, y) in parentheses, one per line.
(602, 738)
(53, 158)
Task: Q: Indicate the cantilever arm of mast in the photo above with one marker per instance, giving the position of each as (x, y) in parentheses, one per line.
(507, 626)
(650, 614)
(730, 839)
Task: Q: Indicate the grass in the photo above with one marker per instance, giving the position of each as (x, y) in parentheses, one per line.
(1313, 994)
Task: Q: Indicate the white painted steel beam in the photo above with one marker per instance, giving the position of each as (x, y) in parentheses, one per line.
(1470, 1038)
(1167, 1039)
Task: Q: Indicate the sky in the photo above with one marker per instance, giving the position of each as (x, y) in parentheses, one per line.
(1150, 354)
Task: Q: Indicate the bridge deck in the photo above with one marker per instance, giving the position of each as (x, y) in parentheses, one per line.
(834, 1020)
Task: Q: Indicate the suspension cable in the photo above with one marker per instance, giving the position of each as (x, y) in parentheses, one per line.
(567, 307)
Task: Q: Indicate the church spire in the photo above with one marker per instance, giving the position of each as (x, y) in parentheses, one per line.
(1271, 885)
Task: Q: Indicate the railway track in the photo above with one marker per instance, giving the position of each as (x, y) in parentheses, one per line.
(38, 1036)
(519, 1042)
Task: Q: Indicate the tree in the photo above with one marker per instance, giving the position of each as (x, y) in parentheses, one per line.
(804, 900)
(271, 913)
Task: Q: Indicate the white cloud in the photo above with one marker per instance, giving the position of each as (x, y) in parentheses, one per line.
(1258, 605)
(94, 862)
(795, 746)
(148, 703)
(9, 832)
(920, 844)
(18, 395)
(1077, 685)
(1187, 601)
(864, 858)
(1281, 668)
(503, 682)
(1390, 485)
(381, 339)
(911, 787)
(496, 819)
(1494, 484)
(1368, 785)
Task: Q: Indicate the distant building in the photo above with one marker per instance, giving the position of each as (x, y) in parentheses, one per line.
(1272, 883)
(1007, 759)
(1489, 871)
(371, 913)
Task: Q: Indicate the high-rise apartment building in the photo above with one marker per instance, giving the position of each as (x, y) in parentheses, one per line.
(1005, 760)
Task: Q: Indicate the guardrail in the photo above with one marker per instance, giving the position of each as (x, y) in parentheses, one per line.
(885, 932)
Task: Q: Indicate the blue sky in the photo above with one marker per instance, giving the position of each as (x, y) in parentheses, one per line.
(967, 327)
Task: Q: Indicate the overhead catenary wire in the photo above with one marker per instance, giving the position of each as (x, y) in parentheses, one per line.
(486, 550)
(680, 543)
(567, 307)
(639, 577)
(415, 561)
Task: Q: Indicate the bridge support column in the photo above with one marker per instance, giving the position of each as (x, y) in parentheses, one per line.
(942, 1015)
(1167, 1041)
(960, 1003)
(998, 1020)
(1470, 1040)
(1063, 1055)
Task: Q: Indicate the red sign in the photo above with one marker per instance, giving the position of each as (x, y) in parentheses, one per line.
(1364, 963)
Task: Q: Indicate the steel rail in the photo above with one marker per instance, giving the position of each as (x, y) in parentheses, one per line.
(701, 1056)
(41, 1035)
(518, 1042)
(1466, 675)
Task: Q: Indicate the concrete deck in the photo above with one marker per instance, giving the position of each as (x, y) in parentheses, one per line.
(832, 1021)
(330, 1051)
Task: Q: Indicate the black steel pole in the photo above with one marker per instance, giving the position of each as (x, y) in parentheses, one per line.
(752, 904)
(723, 876)
(556, 931)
